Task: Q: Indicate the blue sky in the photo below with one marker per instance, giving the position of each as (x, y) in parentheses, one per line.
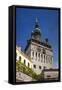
(48, 21)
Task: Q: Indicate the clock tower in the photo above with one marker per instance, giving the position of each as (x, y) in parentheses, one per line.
(39, 51)
(36, 34)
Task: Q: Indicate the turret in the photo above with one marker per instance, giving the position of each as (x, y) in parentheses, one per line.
(36, 34)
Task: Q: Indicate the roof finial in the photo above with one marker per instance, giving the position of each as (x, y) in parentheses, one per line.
(36, 20)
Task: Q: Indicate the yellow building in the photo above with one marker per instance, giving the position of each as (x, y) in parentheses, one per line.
(20, 56)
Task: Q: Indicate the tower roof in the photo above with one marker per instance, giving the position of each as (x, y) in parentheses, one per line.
(36, 28)
(36, 37)
(36, 34)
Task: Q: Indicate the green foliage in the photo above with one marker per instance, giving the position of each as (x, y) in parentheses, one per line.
(40, 77)
(20, 67)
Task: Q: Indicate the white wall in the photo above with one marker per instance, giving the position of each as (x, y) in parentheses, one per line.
(37, 61)
(4, 44)
(52, 74)
(19, 53)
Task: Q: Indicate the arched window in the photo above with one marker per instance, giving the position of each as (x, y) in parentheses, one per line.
(47, 59)
(28, 64)
(19, 58)
(51, 60)
(39, 55)
(36, 54)
(44, 58)
(39, 67)
(44, 67)
(33, 53)
(34, 66)
(24, 61)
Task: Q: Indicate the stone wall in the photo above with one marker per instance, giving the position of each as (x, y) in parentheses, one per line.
(51, 74)
(23, 77)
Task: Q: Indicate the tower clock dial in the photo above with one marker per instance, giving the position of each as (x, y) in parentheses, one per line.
(44, 51)
(38, 49)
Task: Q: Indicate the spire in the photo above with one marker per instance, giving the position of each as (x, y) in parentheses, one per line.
(36, 20)
(36, 34)
(36, 23)
(37, 27)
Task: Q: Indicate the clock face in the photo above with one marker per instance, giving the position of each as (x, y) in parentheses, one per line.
(38, 49)
(44, 52)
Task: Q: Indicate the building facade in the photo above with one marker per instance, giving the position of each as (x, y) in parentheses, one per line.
(39, 51)
(20, 56)
(51, 74)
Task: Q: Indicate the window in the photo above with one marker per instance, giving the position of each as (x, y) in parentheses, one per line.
(33, 53)
(36, 54)
(39, 55)
(44, 58)
(44, 67)
(51, 60)
(19, 58)
(28, 64)
(39, 67)
(48, 76)
(24, 62)
(34, 66)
